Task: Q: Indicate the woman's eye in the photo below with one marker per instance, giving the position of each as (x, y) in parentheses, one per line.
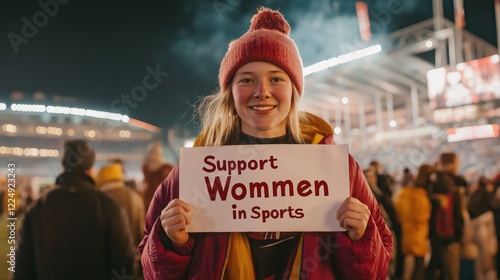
(245, 81)
(276, 79)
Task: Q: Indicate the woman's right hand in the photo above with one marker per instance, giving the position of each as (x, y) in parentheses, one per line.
(174, 219)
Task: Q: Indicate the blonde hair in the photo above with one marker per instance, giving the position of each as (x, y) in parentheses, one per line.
(221, 124)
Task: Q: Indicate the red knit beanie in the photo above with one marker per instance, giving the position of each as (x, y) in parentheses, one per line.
(267, 40)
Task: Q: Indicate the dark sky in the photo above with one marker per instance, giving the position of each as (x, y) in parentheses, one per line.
(98, 51)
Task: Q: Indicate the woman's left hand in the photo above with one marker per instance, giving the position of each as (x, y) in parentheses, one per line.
(353, 215)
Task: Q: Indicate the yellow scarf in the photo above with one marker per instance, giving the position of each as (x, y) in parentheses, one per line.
(239, 265)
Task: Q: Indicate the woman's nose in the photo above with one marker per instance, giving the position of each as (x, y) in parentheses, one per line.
(262, 91)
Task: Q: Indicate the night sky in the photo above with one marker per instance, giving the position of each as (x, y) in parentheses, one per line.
(96, 52)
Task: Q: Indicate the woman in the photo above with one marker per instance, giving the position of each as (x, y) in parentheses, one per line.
(261, 82)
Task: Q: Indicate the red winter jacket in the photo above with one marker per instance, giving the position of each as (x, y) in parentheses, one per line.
(325, 255)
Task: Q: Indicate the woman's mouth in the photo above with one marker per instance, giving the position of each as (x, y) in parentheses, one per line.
(262, 108)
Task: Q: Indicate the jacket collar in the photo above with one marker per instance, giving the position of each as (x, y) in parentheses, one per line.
(74, 181)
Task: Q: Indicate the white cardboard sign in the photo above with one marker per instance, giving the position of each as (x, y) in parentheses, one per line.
(256, 188)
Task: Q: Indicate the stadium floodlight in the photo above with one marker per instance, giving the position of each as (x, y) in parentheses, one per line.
(30, 108)
(334, 61)
(37, 108)
(86, 113)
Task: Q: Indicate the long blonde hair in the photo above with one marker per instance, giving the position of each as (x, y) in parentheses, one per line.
(220, 122)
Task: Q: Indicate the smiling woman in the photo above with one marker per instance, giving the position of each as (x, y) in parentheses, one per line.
(262, 95)
(261, 83)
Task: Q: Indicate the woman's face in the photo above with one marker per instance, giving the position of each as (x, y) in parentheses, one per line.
(262, 95)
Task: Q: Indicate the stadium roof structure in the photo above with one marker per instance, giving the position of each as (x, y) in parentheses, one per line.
(32, 136)
(391, 83)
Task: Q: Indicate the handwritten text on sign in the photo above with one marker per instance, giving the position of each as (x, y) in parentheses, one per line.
(264, 187)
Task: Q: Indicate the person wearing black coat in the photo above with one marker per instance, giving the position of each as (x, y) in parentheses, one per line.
(75, 231)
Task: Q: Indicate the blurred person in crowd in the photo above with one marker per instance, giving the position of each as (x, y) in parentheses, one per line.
(110, 179)
(480, 207)
(413, 208)
(385, 184)
(155, 170)
(445, 247)
(496, 215)
(74, 231)
(371, 179)
(261, 83)
(130, 183)
(449, 163)
(407, 178)
(468, 247)
(25, 198)
(384, 181)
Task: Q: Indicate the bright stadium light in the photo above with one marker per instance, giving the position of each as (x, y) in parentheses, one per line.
(334, 61)
(10, 128)
(86, 113)
(37, 108)
(28, 152)
(30, 108)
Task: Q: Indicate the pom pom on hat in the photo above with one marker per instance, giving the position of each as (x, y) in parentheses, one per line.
(266, 40)
(269, 19)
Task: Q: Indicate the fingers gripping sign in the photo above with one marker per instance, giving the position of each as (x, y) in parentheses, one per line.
(174, 219)
(353, 215)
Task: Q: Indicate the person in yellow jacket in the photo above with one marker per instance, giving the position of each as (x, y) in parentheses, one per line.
(413, 209)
